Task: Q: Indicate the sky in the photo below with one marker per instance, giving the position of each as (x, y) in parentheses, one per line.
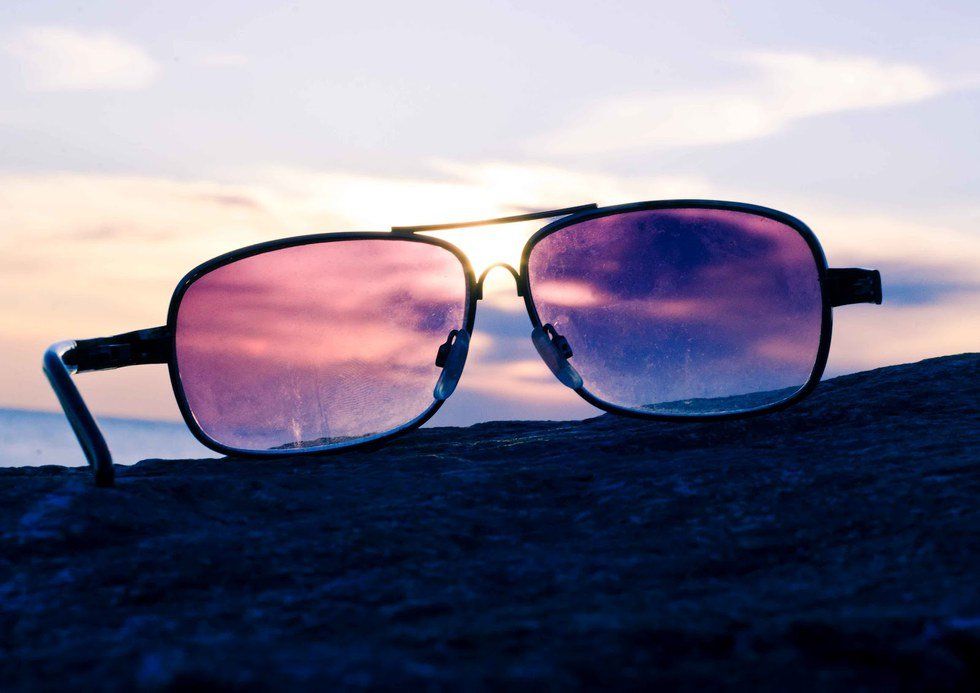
(141, 139)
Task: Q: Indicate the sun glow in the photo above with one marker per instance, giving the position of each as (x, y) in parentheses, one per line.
(486, 245)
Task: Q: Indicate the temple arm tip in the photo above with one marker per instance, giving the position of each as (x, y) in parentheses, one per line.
(61, 360)
(82, 423)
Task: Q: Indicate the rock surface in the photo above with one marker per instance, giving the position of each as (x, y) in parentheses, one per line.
(836, 543)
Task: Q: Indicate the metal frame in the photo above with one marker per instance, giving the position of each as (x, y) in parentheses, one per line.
(826, 325)
(158, 345)
(258, 249)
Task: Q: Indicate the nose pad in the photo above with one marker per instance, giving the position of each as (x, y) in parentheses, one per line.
(451, 357)
(555, 351)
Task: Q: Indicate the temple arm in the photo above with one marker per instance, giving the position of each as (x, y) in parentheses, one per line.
(853, 285)
(63, 359)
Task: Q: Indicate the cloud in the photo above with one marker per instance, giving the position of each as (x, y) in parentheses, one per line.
(787, 87)
(62, 59)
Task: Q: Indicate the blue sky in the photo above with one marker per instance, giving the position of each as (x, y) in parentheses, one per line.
(140, 139)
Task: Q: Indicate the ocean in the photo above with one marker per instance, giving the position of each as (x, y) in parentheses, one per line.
(37, 438)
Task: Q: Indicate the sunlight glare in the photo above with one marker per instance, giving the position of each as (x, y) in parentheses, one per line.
(486, 245)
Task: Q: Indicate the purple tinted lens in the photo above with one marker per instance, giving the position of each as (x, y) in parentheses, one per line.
(317, 345)
(683, 311)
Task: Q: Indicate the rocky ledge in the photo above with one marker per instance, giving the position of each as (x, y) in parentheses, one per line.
(836, 543)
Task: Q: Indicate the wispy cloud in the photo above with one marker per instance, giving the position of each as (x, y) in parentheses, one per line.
(62, 59)
(782, 89)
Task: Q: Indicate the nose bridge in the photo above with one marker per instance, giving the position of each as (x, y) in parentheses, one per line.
(504, 265)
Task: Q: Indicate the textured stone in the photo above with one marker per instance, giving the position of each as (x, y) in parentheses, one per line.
(836, 543)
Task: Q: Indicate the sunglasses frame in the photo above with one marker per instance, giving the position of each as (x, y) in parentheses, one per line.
(158, 345)
(294, 242)
(826, 321)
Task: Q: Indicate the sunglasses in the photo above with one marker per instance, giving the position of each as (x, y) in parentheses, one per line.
(674, 310)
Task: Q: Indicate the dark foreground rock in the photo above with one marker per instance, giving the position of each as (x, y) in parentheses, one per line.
(837, 543)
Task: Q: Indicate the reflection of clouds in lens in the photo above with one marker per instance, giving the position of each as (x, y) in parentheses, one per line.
(339, 289)
(692, 303)
(568, 293)
(322, 341)
(784, 350)
(684, 309)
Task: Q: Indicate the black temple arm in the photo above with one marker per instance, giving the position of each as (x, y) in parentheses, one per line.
(853, 285)
(63, 359)
(128, 349)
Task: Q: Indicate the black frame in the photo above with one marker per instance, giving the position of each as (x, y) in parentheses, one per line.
(260, 248)
(158, 345)
(826, 324)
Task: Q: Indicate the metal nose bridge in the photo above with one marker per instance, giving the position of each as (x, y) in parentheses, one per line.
(514, 273)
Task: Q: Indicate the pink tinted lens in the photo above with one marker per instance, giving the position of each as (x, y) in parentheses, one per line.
(683, 311)
(317, 345)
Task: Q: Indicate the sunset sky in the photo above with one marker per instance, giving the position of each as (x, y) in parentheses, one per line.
(139, 140)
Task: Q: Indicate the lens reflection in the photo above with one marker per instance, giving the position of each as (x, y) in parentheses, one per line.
(682, 311)
(319, 344)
